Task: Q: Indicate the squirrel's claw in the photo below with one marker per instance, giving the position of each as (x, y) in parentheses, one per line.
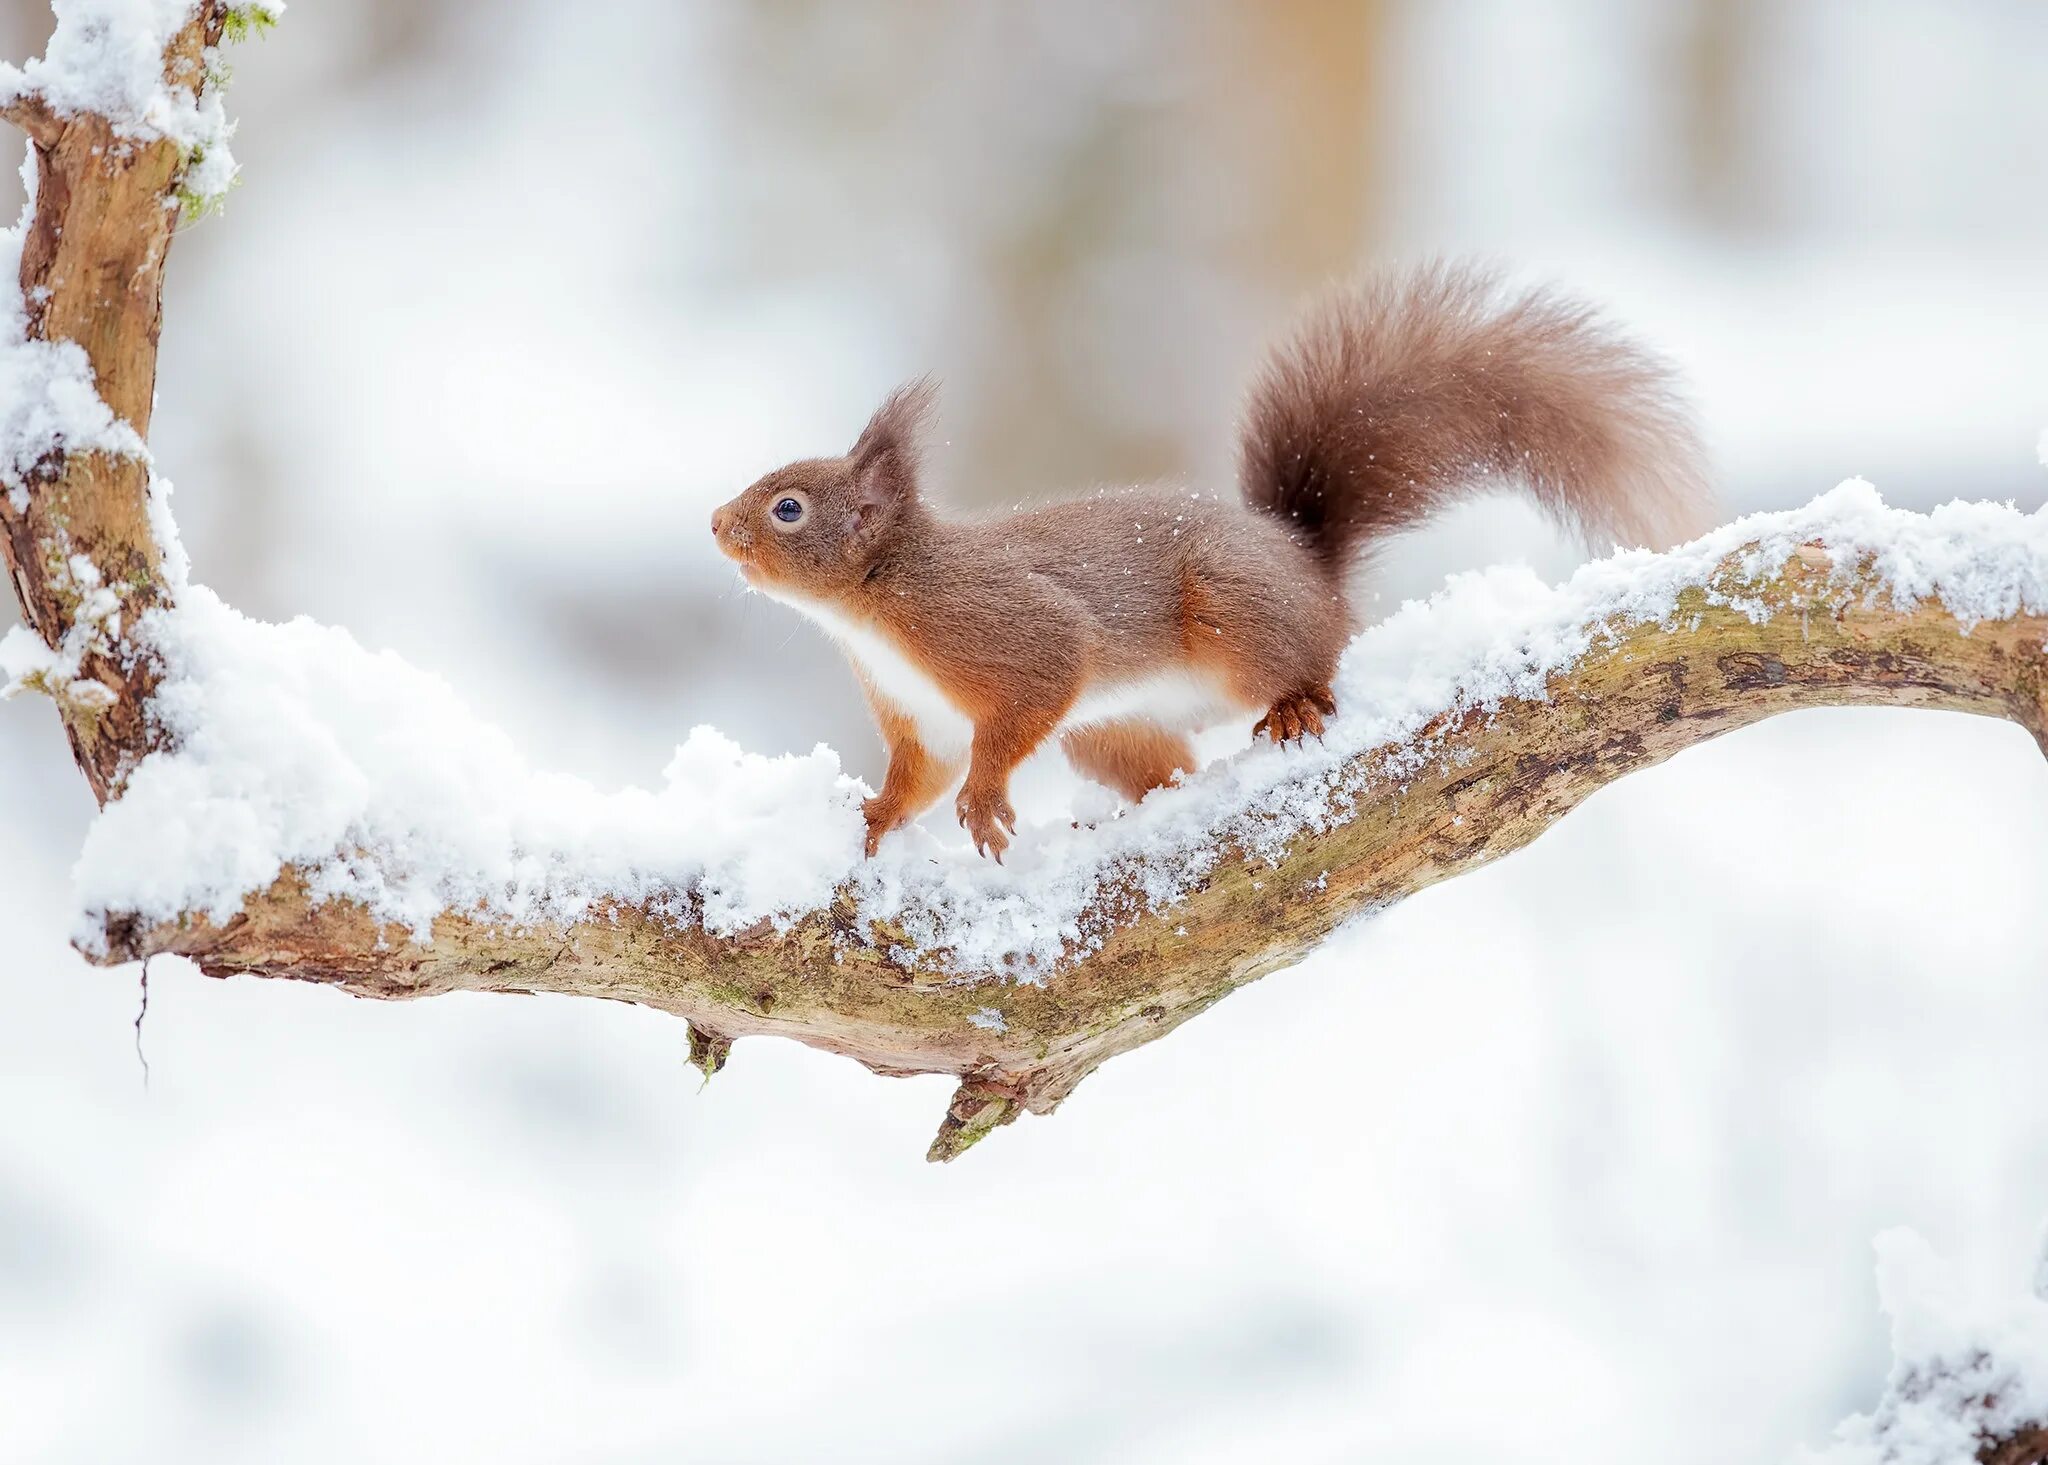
(1293, 717)
(881, 818)
(984, 817)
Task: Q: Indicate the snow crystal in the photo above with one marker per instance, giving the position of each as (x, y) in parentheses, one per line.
(988, 1017)
(1966, 1368)
(294, 746)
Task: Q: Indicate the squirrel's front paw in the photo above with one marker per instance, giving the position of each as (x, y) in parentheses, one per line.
(984, 815)
(882, 817)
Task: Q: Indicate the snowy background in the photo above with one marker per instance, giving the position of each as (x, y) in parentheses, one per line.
(1579, 1156)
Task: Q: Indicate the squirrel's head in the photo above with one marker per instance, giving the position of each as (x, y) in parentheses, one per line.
(815, 527)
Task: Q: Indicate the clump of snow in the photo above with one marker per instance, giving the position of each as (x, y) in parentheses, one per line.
(107, 57)
(177, 565)
(26, 664)
(1966, 1368)
(47, 398)
(293, 746)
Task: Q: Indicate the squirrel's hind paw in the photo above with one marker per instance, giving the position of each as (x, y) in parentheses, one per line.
(1296, 715)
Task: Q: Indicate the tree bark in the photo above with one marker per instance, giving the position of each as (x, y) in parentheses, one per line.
(2027, 1446)
(92, 272)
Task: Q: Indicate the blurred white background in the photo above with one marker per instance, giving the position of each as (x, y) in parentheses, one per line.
(1577, 1158)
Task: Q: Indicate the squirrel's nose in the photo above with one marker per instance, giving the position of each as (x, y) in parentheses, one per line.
(719, 518)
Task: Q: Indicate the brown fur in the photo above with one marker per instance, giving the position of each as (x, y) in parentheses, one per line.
(1133, 756)
(1409, 391)
(1389, 402)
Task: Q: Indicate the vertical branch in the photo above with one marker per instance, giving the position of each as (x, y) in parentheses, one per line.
(92, 266)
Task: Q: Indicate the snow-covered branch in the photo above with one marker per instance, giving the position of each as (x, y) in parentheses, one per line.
(327, 814)
(124, 127)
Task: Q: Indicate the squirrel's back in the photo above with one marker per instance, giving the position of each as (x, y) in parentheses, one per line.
(1411, 390)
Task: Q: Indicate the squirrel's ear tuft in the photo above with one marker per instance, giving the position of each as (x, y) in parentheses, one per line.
(885, 455)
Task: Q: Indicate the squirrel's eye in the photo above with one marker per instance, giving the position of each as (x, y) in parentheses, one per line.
(788, 510)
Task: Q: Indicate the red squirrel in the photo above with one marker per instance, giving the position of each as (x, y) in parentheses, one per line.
(1123, 622)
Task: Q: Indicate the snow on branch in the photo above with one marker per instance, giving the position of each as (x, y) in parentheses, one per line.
(147, 70)
(1969, 1376)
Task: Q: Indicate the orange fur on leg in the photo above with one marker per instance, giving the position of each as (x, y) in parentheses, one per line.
(916, 777)
(1000, 744)
(1132, 757)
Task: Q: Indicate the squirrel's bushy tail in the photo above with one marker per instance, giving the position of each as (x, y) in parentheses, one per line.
(1411, 390)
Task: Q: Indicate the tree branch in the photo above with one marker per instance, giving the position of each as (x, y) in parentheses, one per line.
(2027, 1445)
(1464, 790)
(76, 516)
(28, 111)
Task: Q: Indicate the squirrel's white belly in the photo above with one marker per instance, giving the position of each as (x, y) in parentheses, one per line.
(942, 727)
(1180, 699)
